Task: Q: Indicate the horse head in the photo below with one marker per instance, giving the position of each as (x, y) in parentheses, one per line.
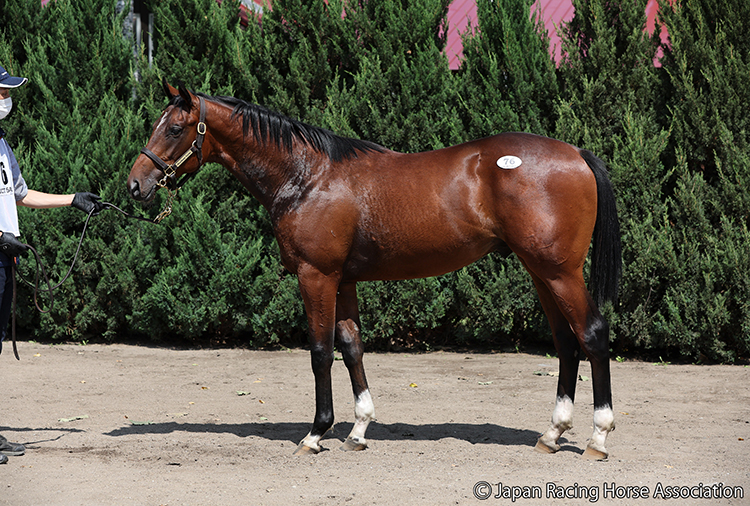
(176, 136)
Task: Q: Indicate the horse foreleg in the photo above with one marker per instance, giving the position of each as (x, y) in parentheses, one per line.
(352, 350)
(319, 295)
(364, 410)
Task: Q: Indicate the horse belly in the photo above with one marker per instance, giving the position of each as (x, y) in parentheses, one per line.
(424, 255)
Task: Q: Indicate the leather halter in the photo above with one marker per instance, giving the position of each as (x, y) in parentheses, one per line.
(169, 181)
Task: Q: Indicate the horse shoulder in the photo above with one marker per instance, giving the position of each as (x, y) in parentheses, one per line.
(320, 230)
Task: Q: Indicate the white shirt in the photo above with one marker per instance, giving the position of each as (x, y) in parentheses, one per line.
(12, 189)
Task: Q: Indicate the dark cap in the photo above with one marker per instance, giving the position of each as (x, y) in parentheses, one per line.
(8, 81)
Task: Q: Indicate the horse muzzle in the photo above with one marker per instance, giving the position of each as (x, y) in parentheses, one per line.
(134, 188)
(140, 191)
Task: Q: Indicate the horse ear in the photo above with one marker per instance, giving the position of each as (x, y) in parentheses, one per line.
(185, 94)
(168, 90)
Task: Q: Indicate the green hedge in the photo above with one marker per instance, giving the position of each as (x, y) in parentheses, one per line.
(675, 137)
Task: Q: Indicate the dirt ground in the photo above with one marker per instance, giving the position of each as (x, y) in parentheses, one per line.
(126, 425)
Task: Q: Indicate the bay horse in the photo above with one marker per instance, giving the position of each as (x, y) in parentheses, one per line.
(346, 210)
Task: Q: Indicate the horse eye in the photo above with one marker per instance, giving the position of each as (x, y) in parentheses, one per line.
(174, 131)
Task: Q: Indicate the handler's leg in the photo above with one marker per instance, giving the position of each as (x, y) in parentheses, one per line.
(6, 301)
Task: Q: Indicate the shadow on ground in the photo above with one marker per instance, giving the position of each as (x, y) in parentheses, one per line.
(292, 431)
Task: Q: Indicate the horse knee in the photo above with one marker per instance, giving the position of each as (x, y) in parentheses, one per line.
(347, 332)
(350, 341)
(321, 358)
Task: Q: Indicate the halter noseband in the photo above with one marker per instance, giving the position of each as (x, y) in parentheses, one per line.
(169, 181)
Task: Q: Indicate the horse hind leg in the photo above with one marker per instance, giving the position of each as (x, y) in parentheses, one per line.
(591, 331)
(596, 347)
(350, 342)
(568, 352)
(562, 416)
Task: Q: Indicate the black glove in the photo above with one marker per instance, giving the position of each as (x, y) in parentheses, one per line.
(86, 201)
(11, 246)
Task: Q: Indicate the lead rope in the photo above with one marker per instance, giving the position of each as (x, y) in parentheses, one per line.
(40, 268)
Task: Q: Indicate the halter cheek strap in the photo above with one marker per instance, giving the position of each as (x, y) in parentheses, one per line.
(169, 180)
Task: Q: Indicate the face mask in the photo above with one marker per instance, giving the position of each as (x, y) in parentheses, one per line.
(5, 106)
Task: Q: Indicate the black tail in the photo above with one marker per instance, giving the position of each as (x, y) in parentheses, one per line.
(606, 252)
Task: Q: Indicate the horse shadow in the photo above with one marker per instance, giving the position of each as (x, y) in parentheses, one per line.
(486, 433)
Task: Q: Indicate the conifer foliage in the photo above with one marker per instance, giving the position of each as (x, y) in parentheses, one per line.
(674, 135)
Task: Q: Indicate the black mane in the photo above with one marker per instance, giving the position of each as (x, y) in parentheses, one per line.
(269, 125)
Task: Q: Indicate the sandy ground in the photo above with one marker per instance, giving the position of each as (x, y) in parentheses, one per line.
(125, 425)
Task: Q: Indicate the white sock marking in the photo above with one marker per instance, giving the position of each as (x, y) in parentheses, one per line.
(364, 413)
(562, 420)
(604, 423)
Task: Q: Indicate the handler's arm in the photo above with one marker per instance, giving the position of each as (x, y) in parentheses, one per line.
(39, 200)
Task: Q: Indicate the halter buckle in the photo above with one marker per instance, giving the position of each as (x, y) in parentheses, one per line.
(169, 173)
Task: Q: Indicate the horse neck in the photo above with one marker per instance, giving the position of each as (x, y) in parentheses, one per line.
(271, 173)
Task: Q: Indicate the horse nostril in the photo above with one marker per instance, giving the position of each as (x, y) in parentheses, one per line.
(135, 190)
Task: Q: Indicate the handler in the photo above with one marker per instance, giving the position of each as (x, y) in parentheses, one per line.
(13, 191)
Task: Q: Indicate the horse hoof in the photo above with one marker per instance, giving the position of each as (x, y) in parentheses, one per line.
(352, 445)
(544, 448)
(302, 449)
(594, 454)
